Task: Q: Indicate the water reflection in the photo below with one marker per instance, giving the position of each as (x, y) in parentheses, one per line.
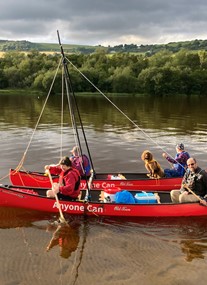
(171, 114)
(194, 249)
(188, 236)
(16, 218)
(66, 237)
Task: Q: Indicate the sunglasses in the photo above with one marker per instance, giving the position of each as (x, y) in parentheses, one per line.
(191, 164)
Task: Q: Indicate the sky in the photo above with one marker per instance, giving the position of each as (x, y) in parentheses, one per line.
(103, 22)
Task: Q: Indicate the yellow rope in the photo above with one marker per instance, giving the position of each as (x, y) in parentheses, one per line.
(2, 178)
(20, 165)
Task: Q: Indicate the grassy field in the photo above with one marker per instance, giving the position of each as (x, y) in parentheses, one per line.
(2, 53)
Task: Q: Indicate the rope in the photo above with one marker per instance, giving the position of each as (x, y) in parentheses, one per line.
(2, 178)
(73, 123)
(61, 120)
(24, 155)
(141, 130)
(71, 114)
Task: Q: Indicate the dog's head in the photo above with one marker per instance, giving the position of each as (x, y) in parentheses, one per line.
(147, 156)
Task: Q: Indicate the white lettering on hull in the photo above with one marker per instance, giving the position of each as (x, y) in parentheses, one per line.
(78, 208)
(124, 208)
(108, 184)
(102, 185)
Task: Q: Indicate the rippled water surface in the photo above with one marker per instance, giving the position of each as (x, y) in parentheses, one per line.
(101, 251)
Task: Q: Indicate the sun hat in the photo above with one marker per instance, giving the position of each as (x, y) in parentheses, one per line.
(75, 149)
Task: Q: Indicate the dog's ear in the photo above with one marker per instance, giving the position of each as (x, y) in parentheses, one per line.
(150, 155)
(143, 154)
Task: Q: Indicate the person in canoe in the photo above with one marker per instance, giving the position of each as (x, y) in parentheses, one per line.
(80, 162)
(68, 187)
(179, 162)
(194, 185)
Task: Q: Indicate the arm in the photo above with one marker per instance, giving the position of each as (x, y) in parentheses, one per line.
(181, 158)
(54, 169)
(184, 181)
(205, 181)
(170, 159)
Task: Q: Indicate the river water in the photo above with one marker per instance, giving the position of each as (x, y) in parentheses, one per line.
(101, 251)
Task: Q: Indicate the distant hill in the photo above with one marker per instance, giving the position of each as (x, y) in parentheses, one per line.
(7, 45)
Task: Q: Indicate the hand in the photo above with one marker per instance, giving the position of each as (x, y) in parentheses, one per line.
(55, 187)
(203, 202)
(164, 154)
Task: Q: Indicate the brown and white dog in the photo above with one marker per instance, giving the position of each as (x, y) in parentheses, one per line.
(154, 168)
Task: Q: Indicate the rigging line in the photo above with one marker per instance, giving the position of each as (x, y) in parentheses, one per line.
(61, 135)
(143, 132)
(71, 89)
(71, 112)
(22, 160)
(111, 102)
(74, 128)
(76, 138)
(79, 117)
(74, 125)
(67, 81)
(2, 178)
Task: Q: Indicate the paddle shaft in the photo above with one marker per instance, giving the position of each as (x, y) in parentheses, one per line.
(62, 219)
(191, 191)
(89, 186)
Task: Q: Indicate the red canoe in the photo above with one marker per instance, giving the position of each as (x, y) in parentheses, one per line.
(133, 181)
(35, 199)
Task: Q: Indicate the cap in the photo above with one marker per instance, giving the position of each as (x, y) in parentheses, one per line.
(180, 146)
(75, 149)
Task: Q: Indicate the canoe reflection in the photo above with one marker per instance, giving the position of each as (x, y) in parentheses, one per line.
(67, 238)
(194, 249)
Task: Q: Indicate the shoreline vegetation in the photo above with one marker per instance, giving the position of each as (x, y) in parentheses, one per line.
(162, 73)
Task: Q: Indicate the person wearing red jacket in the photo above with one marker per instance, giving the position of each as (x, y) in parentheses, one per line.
(68, 187)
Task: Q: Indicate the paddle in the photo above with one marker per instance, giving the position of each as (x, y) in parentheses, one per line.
(62, 219)
(191, 191)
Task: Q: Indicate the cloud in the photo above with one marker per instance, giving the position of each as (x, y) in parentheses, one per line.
(108, 22)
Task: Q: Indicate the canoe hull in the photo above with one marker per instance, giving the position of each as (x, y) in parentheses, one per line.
(15, 198)
(135, 181)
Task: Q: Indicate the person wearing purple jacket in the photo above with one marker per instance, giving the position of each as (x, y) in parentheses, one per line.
(179, 162)
(80, 162)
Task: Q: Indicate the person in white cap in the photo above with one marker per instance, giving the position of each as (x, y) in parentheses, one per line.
(179, 162)
(80, 162)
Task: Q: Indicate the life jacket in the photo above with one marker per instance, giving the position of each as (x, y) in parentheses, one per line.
(75, 173)
(79, 162)
(87, 167)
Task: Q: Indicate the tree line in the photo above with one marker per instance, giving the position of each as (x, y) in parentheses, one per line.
(149, 49)
(164, 73)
